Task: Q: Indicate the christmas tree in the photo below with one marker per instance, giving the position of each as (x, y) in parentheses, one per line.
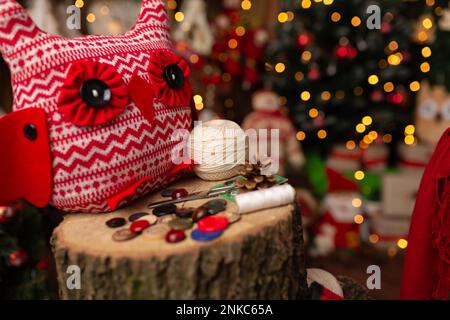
(344, 76)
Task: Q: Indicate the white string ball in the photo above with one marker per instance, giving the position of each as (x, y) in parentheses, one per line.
(218, 149)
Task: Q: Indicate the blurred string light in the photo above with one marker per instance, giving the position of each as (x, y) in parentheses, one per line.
(358, 219)
(179, 16)
(79, 4)
(198, 101)
(246, 5)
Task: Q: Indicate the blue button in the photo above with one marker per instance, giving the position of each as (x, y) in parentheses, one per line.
(197, 235)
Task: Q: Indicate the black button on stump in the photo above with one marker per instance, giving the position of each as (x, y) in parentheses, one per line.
(96, 93)
(173, 76)
(30, 132)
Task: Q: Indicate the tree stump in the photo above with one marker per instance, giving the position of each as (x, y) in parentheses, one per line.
(259, 257)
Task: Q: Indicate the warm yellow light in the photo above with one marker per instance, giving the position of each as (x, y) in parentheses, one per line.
(299, 76)
(306, 4)
(410, 139)
(246, 4)
(171, 4)
(290, 15)
(359, 219)
(322, 134)
(374, 238)
(392, 252)
(198, 99)
(402, 243)
(179, 16)
(356, 21)
(240, 31)
(326, 95)
(305, 95)
(280, 67)
(313, 113)
(388, 87)
(373, 135)
(283, 17)
(367, 139)
(373, 79)
(430, 3)
(194, 58)
(350, 145)
(387, 138)
(199, 106)
(360, 128)
(367, 120)
(395, 59)
(426, 52)
(232, 43)
(414, 86)
(79, 4)
(306, 55)
(335, 16)
(410, 130)
(422, 36)
(427, 23)
(425, 67)
(393, 45)
(91, 18)
(359, 175)
(301, 136)
(328, 2)
(357, 203)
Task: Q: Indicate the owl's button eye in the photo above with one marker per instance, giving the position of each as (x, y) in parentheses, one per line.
(93, 93)
(96, 93)
(428, 109)
(173, 76)
(446, 111)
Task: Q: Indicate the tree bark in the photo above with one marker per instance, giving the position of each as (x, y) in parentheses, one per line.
(259, 257)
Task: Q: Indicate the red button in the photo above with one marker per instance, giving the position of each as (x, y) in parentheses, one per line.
(139, 226)
(179, 193)
(213, 224)
(174, 236)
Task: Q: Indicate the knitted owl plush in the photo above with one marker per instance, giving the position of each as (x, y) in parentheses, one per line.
(93, 116)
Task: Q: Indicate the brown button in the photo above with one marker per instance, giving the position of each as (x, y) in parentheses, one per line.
(116, 222)
(200, 213)
(124, 235)
(185, 212)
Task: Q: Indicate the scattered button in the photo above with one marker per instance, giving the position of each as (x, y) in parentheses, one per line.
(213, 224)
(139, 226)
(164, 210)
(137, 216)
(174, 236)
(124, 235)
(116, 222)
(200, 213)
(157, 232)
(150, 219)
(181, 224)
(198, 235)
(167, 193)
(216, 206)
(185, 212)
(179, 193)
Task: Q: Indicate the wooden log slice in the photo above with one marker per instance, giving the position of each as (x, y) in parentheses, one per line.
(259, 257)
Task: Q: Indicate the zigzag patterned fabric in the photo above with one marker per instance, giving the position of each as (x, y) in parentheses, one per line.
(98, 153)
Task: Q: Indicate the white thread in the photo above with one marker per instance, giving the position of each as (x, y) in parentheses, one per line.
(265, 199)
(218, 148)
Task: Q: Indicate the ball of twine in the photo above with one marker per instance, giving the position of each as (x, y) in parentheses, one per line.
(218, 148)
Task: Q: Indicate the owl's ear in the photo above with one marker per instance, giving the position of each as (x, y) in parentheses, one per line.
(16, 28)
(153, 13)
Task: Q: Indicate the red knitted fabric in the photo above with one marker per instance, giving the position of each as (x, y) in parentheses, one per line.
(97, 155)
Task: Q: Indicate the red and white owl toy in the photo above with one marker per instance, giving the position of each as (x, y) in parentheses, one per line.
(93, 116)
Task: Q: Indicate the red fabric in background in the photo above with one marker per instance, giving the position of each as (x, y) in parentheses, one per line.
(427, 263)
(25, 166)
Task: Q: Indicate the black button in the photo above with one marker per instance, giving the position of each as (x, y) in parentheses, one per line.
(30, 132)
(95, 93)
(174, 76)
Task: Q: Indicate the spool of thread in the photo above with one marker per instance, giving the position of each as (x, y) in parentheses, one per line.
(218, 148)
(265, 199)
